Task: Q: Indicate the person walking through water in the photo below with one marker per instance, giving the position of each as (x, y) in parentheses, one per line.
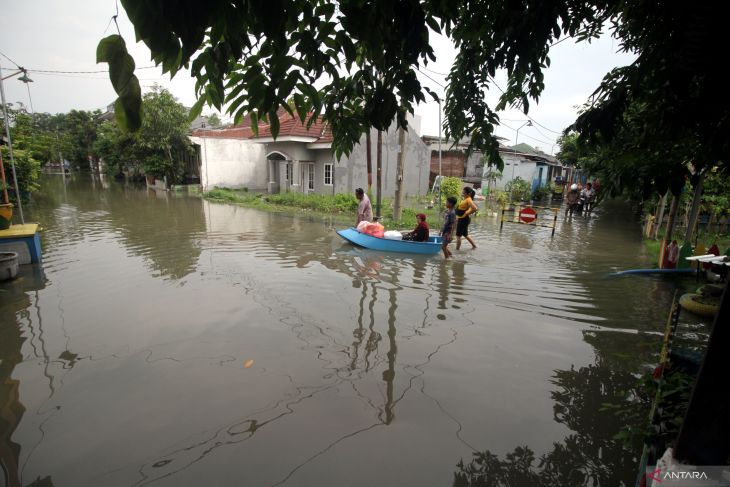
(448, 229)
(589, 195)
(571, 200)
(364, 208)
(466, 207)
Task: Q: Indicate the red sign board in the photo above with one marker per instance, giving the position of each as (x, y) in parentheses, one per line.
(528, 215)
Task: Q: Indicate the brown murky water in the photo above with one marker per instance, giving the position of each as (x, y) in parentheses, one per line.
(173, 342)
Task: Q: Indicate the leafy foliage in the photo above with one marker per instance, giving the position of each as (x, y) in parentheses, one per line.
(157, 146)
(450, 186)
(541, 193)
(519, 189)
(665, 110)
(115, 147)
(27, 169)
(355, 63)
(163, 135)
(716, 195)
(213, 120)
(128, 106)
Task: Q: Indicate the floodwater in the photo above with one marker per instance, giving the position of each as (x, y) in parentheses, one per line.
(170, 341)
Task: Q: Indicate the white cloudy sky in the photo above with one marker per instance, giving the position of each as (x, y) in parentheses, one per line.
(61, 35)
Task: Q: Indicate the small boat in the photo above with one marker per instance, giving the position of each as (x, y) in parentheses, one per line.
(387, 245)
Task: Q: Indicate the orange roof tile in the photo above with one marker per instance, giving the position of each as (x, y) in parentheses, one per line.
(289, 126)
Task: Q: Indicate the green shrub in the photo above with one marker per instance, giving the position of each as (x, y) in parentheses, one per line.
(28, 171)
(231, 195)
(339, 203)
(501, 197)
(519, 189)
(541, 193)
(450, 187)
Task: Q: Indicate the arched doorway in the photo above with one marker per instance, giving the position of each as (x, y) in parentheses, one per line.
(280, 173)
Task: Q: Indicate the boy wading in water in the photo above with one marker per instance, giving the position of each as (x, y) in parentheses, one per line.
(448, 228)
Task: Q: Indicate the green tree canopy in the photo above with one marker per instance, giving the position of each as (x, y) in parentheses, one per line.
(163, 135)
(355, 63)
(157, 146)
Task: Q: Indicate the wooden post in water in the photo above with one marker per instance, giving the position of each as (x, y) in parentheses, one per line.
(555, 221)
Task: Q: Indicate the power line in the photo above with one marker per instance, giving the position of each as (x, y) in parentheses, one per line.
(498, 87)
(427, 76)
(540, 132)
(528, 136)
(103, 78)
(54, 71)
(541, 125)
(6, 57)
(435, 72)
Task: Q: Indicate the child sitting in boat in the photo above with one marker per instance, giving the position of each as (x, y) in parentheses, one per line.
(420, 233)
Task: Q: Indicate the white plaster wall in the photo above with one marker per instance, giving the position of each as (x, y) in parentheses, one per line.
(231, 163)
(514, 167)
(351, 172)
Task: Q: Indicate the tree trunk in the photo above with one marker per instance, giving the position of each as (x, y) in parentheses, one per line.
(660, 216)
(369, 156)
(670, 228)
(379, 173)
(398, 204)
(695, 211)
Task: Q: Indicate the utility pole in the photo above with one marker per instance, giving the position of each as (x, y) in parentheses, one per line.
(10, 146)
(439, 177)
(398, 204)
(369, 156)
(379, 163)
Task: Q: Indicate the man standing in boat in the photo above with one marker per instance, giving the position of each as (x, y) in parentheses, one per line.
(364, 208)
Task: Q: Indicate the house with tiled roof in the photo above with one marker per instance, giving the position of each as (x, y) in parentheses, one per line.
(301, 159)
(529, 164)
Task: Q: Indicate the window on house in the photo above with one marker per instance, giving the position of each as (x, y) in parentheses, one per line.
(328, 174)
(290, 172)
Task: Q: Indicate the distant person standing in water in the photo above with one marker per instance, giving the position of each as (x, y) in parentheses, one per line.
(571, 200)
(449, 223)
(466, 207)
(364, 208)
(589, 195)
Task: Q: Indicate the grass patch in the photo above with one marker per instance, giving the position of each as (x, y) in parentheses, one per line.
(226, 195)
(342, 207)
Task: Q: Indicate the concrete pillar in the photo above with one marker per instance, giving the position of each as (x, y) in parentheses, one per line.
(283, 184)
(296, 176)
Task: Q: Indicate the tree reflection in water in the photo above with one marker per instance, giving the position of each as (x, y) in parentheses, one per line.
(589, 456)
(15, 327)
